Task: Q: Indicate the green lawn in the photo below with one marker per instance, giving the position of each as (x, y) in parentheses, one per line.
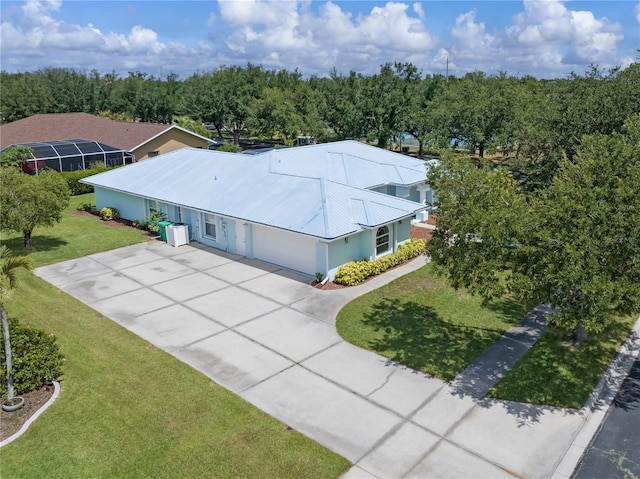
(557, 373)
(74, 237)
(128, 409)
(421, 322)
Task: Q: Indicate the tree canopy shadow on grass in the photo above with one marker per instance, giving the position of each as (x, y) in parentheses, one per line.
(414, 335)
(40, 243)
(525, 414)
(508, 308)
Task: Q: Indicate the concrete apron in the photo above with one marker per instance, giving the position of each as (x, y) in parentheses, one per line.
(266, 335)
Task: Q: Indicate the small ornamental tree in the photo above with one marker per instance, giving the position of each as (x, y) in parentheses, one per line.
(8, 266)
(15, 155)
(29, 201)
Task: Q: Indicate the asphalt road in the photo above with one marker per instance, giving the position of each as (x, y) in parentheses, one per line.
(615, 450)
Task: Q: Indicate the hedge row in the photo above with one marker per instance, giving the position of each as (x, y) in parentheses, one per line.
(355, 272)
(73, 180)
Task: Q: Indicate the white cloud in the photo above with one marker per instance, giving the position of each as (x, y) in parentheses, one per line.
(577, 37)
(38, 34)
(636, 11)
(291, 35)
(38, 10)
(259, 12)
(471, 37)
(470, 48)
(546, 38)
(417, 9)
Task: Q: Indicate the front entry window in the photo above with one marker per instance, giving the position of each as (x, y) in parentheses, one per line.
(210, 227)
(157, 207)
(382, 240)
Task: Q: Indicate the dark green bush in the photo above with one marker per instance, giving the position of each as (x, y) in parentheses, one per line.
(230, 148)
(37, 359)
(86, 207)
(140, 224)
(73, 180)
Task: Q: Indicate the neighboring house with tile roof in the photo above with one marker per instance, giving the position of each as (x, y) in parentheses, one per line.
(310, 209)
(143, 140)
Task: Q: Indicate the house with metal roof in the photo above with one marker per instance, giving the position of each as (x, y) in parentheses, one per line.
(141, 140)
(310, 209)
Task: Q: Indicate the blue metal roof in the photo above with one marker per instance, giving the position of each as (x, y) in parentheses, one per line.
(323, 198)
(349, 162)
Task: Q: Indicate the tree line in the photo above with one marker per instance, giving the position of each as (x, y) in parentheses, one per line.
(557, 221)
(534, 122)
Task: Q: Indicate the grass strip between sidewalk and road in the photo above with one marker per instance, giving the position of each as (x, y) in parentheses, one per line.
(555, 372)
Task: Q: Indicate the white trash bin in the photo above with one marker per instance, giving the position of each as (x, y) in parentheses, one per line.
(178, 234)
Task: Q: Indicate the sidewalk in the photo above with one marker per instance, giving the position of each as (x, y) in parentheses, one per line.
(481, 375)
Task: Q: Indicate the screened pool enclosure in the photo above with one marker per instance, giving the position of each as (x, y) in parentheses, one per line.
(72, 155)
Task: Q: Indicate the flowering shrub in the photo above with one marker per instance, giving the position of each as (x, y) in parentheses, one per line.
(36, 359)
(355, 272)
(109, 213)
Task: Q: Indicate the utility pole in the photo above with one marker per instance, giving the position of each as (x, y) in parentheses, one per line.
(446, 78)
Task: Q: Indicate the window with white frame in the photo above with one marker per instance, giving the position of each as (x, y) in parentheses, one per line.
(210, 226)
(382, 240)
(157, 207)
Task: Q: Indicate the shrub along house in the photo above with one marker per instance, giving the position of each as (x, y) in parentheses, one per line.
(310, 209)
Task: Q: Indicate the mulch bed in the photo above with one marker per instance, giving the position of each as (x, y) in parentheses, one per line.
(421, 233)
(119, 223)
(328, 286)
(11, 422)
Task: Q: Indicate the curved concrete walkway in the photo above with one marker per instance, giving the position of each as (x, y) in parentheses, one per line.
(265, 334)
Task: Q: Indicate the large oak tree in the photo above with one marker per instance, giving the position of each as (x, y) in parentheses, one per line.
(575, 245)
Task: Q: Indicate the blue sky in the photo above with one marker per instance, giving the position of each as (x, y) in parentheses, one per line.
(543, 38)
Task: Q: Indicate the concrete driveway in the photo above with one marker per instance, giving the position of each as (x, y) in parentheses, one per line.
(268, 336)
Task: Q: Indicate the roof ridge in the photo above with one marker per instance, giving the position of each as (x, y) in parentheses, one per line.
(325, 207)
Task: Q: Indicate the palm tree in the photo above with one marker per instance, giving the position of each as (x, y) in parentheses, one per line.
(8, 267)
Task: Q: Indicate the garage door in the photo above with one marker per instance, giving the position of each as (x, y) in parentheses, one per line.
(293, 251)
